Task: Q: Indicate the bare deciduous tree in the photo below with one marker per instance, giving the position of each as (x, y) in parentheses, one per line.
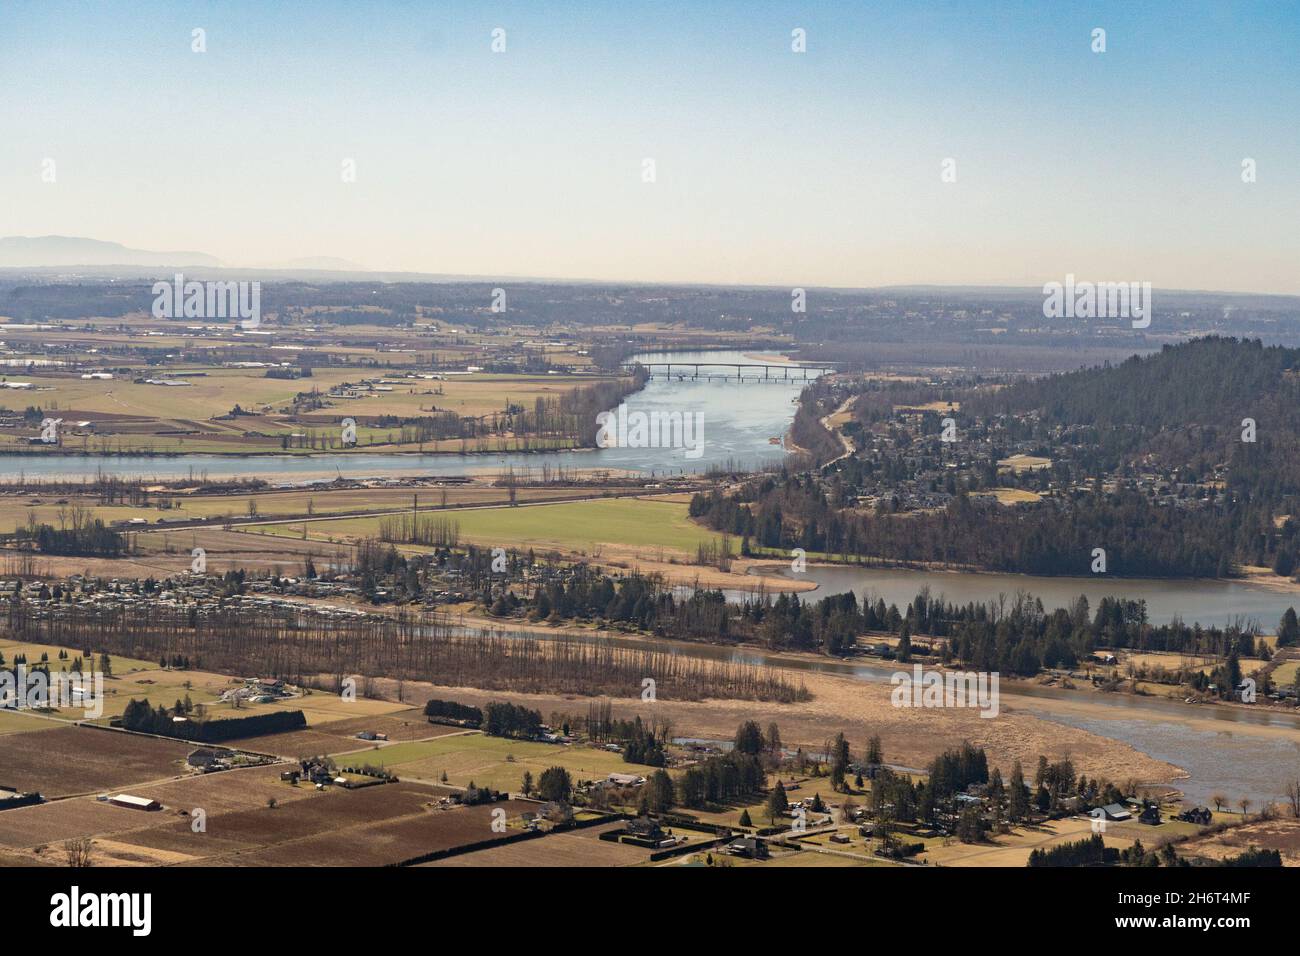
(79, 851)
(1293, 795)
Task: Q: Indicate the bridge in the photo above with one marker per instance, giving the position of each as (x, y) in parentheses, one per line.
(730, 371)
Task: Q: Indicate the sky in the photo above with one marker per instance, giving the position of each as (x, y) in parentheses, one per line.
(771, 167)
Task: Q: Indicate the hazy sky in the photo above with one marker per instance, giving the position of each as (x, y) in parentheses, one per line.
(772, 167)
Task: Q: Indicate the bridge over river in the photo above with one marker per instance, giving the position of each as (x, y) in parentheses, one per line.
(730, 371)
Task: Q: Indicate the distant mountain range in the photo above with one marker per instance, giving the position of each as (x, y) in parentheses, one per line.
(44, 252)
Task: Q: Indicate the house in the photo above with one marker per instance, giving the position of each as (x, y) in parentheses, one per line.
(203, 758)
(134, 803)
(751, 847)
(1115, 811)
(625, 780)
(645, 832)
(11, 798)
(645, 828)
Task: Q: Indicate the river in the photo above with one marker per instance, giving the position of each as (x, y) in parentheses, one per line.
(1236, 751)
(739, 422)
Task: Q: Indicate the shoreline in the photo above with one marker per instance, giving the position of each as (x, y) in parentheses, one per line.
(1258, 579)
(1082, 699)
(307, 455)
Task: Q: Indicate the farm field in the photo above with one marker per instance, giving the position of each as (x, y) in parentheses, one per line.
(576, 848)
(28, 829)
(1170, 662)
(376, 826)
(16, 722)
(71, 760)
(322, 707)
(17, 510)
(635, 523)
(226, 792)
(253, 818)
(391, 841)
(495, 762)
(338, 737)
(128, 416)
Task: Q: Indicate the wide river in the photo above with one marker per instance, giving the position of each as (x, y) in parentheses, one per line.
(740, 421)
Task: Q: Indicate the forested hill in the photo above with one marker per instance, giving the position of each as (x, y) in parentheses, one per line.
(1211, 382)
(1181, 409)
(1146, 459)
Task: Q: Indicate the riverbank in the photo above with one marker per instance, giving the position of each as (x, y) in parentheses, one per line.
(911, 737)
(1257, 599)
(1236, 750)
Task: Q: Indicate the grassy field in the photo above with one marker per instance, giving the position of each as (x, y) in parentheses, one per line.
(145, 680)
(219, 389)
(1170, 662)
(1284, 674)
(491, 761)
(1011, 496)
(33, 652)
(17, 510)
(579, 525)
(1020, 463)
(12, 722)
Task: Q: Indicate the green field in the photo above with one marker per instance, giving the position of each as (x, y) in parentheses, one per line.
(579, 526)
(1284, 674)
